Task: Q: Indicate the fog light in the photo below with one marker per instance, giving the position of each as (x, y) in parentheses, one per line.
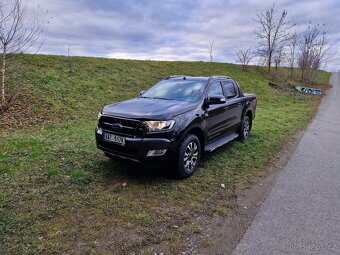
(99, 131)
(155, 153)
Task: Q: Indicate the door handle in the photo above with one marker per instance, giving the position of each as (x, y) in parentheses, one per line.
(225, 108)
(239, 104)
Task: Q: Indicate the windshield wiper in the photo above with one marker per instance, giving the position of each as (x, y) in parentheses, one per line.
(164, 98)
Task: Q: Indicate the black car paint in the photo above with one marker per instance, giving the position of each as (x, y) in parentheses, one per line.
(149, 108)
(208, 122)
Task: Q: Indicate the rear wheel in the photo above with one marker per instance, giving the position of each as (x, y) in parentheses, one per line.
(189, 156)
(244, 130)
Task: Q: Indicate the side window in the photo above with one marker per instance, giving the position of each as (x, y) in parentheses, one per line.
(215, 90)
(229, 89)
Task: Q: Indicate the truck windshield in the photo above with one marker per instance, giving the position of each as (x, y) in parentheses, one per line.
(180, 90)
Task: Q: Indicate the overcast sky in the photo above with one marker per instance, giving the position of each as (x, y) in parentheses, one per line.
(172, 30)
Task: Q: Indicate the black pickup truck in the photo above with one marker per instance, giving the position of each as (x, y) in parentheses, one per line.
(176, 120)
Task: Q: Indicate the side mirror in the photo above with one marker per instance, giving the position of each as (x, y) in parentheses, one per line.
(142, 92)
(215, 100)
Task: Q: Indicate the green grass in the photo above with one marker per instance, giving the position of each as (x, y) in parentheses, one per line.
(58, 193)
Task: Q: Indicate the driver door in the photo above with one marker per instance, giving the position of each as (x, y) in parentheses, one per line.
(216, 114)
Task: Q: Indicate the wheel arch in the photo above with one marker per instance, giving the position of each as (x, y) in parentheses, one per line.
(200, 135)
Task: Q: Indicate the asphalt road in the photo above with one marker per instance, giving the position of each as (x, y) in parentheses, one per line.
(301, 215)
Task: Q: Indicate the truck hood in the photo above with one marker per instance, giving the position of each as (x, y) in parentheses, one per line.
(149, 108)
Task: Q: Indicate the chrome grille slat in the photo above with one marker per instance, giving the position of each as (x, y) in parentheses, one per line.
(122, 126)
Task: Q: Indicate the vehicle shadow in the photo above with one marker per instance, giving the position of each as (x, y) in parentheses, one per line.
(114, 168)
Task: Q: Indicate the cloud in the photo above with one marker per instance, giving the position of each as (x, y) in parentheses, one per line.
(170, 29)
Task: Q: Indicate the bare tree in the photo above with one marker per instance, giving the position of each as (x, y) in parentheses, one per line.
(210, 46)
(244, 56)
(279, 56)
(313, 49)
(260, 62)
(272, 32)
(291, 54)
(18, 33)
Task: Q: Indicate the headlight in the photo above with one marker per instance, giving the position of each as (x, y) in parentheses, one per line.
(99, 115)
(155, 125)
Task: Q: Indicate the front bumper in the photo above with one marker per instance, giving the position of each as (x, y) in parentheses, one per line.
(136, 149)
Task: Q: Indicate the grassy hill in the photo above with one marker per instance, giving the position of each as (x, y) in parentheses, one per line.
(58, 193)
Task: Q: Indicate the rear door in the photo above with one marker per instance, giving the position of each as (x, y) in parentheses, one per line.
(233, 104)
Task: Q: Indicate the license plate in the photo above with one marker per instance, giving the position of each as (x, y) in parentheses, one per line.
(114, 139)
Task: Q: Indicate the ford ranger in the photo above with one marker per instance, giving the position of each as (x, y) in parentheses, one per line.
(176, 121)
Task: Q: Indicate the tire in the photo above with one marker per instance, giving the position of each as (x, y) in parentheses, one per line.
(189, 156)
(245, 128)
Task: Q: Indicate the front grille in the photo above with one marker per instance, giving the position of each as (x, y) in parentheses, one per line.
(121, 126)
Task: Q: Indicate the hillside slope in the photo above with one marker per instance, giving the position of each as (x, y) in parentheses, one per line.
(58, 193)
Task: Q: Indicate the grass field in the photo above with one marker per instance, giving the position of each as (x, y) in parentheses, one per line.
(60, 195)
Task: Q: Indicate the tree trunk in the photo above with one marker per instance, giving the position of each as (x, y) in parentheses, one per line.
(303, 74)
(3, 73)
(291, 72)
(269, 61)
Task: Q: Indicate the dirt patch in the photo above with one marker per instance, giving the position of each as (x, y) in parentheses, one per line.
(22, 114)
(220, 231)
(282, 87)
(226, 232)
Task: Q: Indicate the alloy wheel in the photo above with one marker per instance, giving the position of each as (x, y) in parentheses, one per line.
(190, 156)
(246, 128)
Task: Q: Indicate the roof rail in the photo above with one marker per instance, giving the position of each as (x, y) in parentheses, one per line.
(219, 77)
(174, 76)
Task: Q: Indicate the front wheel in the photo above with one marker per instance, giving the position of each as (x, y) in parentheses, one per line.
(189, 156)
(244, 130)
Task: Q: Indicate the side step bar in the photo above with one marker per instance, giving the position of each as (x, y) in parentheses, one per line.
(218, 143)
